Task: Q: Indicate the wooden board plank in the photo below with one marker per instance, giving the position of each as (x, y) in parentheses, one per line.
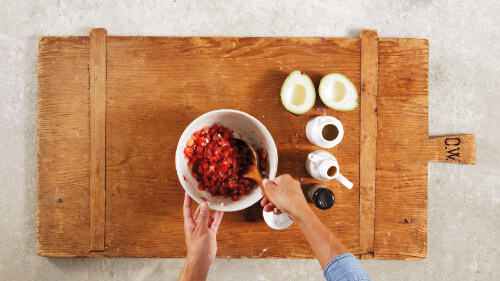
(401, 180)
(63, 147)
(97, 91)
(368, 140)
(156, 86)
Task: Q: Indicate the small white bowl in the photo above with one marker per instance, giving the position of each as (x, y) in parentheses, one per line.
(277, 222)
(245, 127)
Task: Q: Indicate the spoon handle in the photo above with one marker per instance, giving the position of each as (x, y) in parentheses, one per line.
(259, 179)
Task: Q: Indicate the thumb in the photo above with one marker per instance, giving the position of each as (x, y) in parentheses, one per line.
(204, 214)
(270, 187)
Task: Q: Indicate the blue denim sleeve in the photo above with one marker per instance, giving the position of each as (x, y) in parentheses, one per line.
(345, 267)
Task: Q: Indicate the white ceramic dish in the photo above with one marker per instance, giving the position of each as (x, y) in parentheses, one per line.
(245, 127)
(277, 222)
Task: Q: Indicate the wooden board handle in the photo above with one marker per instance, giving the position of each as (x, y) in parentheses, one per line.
(454, 149)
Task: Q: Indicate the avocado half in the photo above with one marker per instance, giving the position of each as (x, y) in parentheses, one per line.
(297, 93)
(338, 92)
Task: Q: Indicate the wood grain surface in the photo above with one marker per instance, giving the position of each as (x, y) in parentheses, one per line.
(155, 86)
(63, 147)
(401, 180)
(368, 141)
(97, 91)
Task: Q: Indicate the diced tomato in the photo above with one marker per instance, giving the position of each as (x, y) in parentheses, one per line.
(223, 169)
(224, 143)
(212, 167)
(190, 142)
(262, 159)
(188, 151)
(201, 141)
(199, 150)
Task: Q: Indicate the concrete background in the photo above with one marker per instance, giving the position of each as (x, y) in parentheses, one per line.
(464, 201)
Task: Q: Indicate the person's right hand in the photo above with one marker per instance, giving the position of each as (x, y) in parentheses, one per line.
(286, 194)
(200, 231)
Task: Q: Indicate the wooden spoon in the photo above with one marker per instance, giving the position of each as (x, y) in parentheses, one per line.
(253, 171)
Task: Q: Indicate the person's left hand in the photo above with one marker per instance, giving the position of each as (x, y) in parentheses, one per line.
(200, 231)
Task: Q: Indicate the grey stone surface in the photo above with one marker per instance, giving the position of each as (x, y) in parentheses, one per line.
(464, 201)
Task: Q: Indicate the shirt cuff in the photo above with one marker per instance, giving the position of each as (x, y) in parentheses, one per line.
(345, 267)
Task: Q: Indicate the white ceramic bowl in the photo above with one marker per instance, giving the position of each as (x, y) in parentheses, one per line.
(244, 127)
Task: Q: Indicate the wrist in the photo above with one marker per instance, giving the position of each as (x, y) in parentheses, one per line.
(198, 263)
(195, 270)
(302, 213)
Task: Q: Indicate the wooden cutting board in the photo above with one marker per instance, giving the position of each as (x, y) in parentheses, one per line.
(111, 110)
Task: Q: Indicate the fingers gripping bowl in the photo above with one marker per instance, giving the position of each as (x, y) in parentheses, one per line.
(245, 127)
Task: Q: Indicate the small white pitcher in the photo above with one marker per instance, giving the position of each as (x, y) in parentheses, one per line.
(323, 166)
(325, 131)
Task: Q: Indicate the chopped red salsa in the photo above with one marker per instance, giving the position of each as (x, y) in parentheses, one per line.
(216, 162)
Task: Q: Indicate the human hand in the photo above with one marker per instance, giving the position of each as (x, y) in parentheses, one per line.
(286, 194)
(200, 232)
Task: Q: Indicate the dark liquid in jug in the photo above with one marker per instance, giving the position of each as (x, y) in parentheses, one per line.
(330, 132)
(332, 171)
